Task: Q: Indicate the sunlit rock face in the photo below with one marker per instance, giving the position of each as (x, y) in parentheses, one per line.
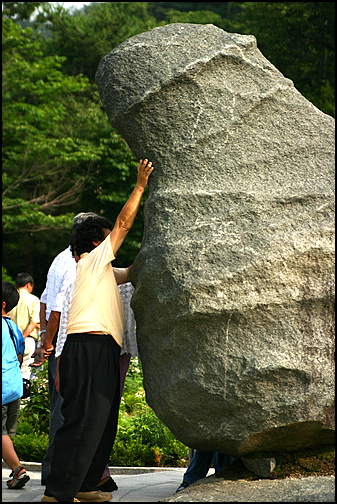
(234, 279)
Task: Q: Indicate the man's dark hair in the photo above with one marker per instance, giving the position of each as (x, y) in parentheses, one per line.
(87, 232)
(23, 279)
(10, 295)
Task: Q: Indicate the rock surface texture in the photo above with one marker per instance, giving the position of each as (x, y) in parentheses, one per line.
(213, 489)
(234, 279)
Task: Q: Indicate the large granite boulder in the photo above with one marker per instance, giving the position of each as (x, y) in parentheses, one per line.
(234, 280)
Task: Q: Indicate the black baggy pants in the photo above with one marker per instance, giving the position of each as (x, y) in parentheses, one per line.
(89, 385)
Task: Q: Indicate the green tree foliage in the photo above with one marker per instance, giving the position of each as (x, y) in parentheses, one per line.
(46, 157)
(226, 10)
(201, 17)
(6, 277)
(299, 39)
(221, 14)
(87, 35)
(20, 10)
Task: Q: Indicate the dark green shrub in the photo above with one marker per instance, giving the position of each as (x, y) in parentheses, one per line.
(143, 440)
(31, 447)
(31, 440)
(35, 410)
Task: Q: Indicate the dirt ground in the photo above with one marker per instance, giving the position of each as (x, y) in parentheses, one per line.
(319, 461)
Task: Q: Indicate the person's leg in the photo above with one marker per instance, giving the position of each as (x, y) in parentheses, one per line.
(89, 377)
(27, 359)
(104, 448)
(10, 419)
(56, 418)
(105, 476)
(124, 362)
(8, 453)
(221, 461)
(199, 466)
(19, 476)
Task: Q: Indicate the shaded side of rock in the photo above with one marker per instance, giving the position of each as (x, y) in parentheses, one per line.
(261, 467)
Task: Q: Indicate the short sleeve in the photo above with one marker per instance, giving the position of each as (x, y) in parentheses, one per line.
(67, 279)
(43, 298)
(62, 332)
(35, 315)
(101, 256)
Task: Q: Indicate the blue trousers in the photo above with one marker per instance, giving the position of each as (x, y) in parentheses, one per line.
(201, 462)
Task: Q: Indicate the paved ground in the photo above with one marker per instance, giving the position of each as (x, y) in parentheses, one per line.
(154, 485)
(134, 484)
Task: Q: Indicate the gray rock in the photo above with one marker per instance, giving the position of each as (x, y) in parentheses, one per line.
(260, 467)
(212, 489)
(234, 279)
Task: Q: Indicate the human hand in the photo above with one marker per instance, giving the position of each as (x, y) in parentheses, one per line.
(40, 356)
(145, 169)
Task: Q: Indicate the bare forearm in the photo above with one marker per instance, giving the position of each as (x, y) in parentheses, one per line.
(52, 327)
(122, 275)
(29, 329)
(129, 211)
(46, 348)
(43, 321)
(125, 219)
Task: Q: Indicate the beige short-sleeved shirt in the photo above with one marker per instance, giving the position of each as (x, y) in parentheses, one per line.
(96, 304)
(26, 311)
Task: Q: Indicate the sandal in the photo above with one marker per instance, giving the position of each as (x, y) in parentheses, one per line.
(18, 481)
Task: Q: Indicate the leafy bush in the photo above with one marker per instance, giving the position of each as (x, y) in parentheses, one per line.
(143, 440)
(31, 446)
(31, 440)
(35, 410)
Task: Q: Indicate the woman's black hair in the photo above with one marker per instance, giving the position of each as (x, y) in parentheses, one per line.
(87, 232)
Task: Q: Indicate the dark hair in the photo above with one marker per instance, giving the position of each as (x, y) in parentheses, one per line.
(87, 232)
(10, 295)
(81, 217)
(23, 279)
